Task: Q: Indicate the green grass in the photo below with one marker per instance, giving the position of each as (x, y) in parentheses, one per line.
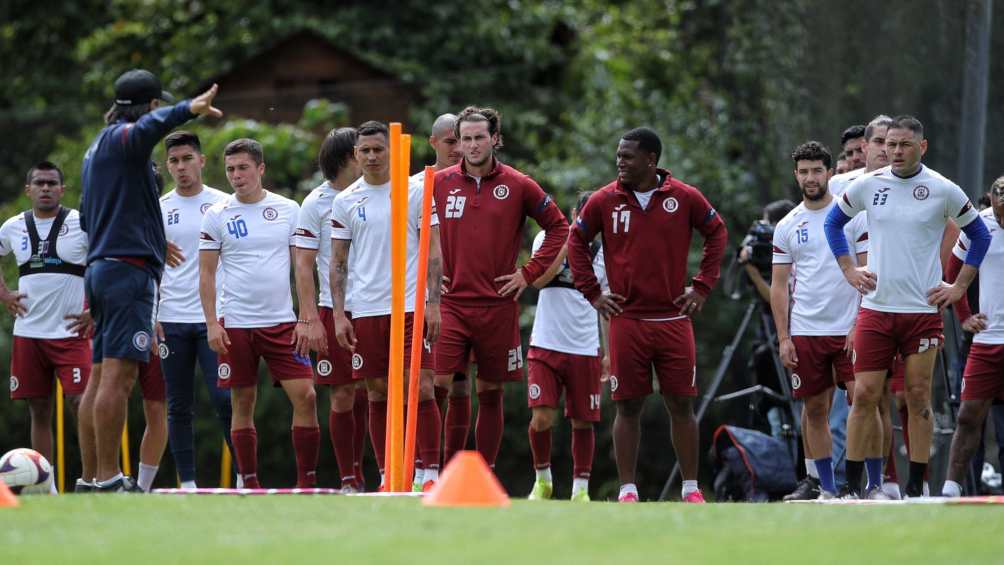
(146, 530)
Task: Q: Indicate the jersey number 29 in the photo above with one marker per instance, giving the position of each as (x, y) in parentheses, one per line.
(455, 206)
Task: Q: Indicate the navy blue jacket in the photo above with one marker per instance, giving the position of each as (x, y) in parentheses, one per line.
(120, 206)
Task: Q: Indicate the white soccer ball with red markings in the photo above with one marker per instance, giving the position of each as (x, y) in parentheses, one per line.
(26, 472)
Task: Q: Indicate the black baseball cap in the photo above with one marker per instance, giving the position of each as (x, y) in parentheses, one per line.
(139, 86)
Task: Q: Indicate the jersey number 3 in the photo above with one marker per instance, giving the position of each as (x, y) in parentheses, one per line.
(455, 206)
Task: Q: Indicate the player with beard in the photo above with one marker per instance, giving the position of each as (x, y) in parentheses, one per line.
(908, 206)
(483, 206)
(646, 218)
(814, 311)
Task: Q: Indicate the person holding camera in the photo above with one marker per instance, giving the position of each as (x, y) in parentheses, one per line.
(756, 249)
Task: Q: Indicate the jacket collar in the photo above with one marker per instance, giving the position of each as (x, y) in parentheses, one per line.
(666, 185)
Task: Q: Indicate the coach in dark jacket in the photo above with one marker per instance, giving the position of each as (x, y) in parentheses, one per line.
(120, 212)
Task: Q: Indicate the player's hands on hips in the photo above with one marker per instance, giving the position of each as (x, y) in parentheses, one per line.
(174, 256)
(12, 300)
(690, 302)
(514, 282)
(861, 278)
(202, 104)
(344, 333)
(81, 324)
(788, 356)
(944, 295)
(609, 305)
(217, 337)
(433, 320)
(975, 324)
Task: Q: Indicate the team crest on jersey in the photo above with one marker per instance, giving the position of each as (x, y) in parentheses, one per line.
(357, 361)
(141, 340)
(205, 206)
(670, 204)
(796, 381)
(534, 391)
(501, 192)
(163, 351)
(223, 372)
(64, 229)
(324, 367)
(613, 383)
(14, 383)
(921, 192)
(270, 214)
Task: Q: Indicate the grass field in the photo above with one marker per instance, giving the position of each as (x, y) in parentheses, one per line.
(147, 530)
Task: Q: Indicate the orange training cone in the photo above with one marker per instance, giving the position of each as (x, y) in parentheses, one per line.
(467, 481)
(7, 498)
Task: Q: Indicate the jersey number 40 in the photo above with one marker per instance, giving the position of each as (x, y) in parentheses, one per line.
(237, 228)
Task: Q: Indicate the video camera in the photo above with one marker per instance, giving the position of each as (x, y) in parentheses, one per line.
(760, 240)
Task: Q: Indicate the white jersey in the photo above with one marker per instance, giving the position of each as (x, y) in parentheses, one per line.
(822, 303)
(179, 289)
(313, 231)
(906, 223)
(50, 296)
(565, 321)
(991, 279)
(361, 213)
(253, 241)
(838, 183)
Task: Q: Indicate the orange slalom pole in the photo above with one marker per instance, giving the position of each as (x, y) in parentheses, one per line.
(401, 235)
(411, 429)
(225, 466)
(126, 467)
(60, 440)
(395, 376)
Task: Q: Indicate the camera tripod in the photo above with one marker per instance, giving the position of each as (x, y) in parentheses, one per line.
(790, 417)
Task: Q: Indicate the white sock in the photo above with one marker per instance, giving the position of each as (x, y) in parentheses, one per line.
(147, 473)
(188, 484)
(52, 488)
(239, 483)
(810, 468)
(628, 488)
(951, 489)
(579, 484)
(689, 487)
(430, 475)
(382, 477)
(419, 477)
(544, 474)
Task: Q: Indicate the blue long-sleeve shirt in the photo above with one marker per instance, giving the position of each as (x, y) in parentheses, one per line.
(120, 209)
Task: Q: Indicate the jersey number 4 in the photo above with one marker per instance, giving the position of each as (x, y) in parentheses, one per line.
(623, 219)
(455, 206)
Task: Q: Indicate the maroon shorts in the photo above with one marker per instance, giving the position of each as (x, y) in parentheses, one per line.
(239, 367)
(491, 332)
(897, 375)
(579, 375)
(822, 362)
(372, 357)
(151, 380)
(983, 378)
(334, 367)
(879, 336)
(34, 361)
(638, 346)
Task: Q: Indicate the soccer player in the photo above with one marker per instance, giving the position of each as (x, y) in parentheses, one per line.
(251, 234)
(443, 140)
(347, 418)
(646, 218)
(50, 250)
(853, 143)
(181, 324)
(908, 205)
(814, 321)
(983, 380)
(127, 247)
(841, 166)
(360, 250)
(565, 355)
(484, 205)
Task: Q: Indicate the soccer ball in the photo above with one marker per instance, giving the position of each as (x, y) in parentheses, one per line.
(26, 472)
